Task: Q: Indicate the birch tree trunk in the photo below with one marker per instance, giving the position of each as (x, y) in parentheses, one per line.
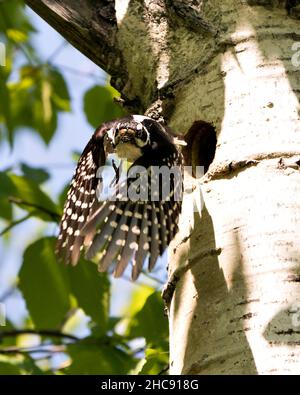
(234, 289)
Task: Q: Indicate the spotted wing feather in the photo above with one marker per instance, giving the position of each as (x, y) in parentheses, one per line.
(129, 231)
(123, 230)
(81, 198)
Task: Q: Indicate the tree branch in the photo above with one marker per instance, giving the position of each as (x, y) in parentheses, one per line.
(90, 26)
(30, 350)
(14, 223)
(42, 332)
(55, 216)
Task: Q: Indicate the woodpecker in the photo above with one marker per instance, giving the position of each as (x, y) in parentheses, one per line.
(124, 229)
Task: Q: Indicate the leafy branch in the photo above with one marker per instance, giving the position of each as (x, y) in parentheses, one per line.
(41, 332)
(41, 348)
(30, 350)
(55, 216)
(14, 223)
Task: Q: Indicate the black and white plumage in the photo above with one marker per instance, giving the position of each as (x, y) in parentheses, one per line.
(123, 229)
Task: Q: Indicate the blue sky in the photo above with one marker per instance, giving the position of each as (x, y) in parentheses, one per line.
(72, 135)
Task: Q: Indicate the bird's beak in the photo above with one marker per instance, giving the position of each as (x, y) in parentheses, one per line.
(179, 141)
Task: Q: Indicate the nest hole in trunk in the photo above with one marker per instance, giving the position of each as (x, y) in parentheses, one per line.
(201, 147)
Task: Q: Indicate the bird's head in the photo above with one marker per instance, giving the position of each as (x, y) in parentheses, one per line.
(129, 138)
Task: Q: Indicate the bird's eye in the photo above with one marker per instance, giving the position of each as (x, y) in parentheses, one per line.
(139, 134)
(141, 137)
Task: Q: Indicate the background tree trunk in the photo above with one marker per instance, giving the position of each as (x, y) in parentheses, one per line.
(235, 276)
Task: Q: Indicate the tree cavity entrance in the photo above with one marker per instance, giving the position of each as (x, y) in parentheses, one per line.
(201, 146)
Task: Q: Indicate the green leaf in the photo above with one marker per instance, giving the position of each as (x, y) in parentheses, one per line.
(46, 93)
(138, 299)
(16, 36)
(91, 290)
(156, 361)
(45, 119)
(75, 156)
(12, 16)
(5, 209)
(60, 93)
(5, 108)
(45, 284)
(36, 174)
(7, 341)
(16, 365)
(30, 367)
(95, 357)
(99, 106)
(150, 322)
(28, 192)
(112, 322)
(37, 98)
(9, 369)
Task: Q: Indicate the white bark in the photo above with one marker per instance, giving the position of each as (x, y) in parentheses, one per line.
(235, 313)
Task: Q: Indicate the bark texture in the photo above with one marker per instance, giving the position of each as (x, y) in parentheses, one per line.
(234, 268)
(232, 312)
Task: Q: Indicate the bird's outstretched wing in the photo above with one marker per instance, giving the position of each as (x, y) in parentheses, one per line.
(81, 197)
(129, 231)
(124, 229)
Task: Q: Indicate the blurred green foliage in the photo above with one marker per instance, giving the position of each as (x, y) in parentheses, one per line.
(99, 105)
(32, 94)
